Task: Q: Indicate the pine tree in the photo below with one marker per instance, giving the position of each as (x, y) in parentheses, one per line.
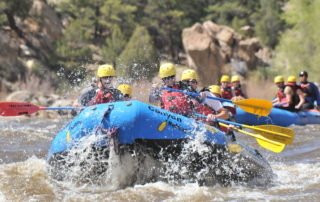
(139, 60)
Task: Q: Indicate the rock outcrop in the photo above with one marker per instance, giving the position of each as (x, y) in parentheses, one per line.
(33, 46)
(214, 50)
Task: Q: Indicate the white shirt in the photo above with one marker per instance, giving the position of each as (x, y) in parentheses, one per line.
(214, 104)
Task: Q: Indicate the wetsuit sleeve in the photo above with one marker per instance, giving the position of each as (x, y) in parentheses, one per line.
(155, 95)
(87, 95)
(316, 92)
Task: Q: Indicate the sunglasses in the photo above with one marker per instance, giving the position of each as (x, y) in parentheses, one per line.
(169, 77)
(107, 77)
(193, 81)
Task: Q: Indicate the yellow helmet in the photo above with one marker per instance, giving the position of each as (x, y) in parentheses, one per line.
(292, 79)
(225, 78)
(125, 89)
(106, 70)
(215, 89)
(166, 70)
(235, 78)
(189, 74)
(278, 79)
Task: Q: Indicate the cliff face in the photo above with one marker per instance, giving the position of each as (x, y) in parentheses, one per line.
(28, 46)
(214, 50)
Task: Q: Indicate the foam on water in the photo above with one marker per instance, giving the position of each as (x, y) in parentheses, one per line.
(27, 179)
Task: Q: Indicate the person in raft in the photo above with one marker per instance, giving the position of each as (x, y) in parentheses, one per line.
(289, 96)
(226, 90)
(102, 91)
(213, 109)
(126, 91)
(170, 100)
(311, 90)
(237, 91)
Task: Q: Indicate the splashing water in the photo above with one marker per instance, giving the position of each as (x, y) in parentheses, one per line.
(25, 177)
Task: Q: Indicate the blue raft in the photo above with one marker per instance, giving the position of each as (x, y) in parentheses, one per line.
(278, 117)
(136, 127)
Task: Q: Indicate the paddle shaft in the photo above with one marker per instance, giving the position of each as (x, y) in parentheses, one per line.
(23, 108)
(58, 108)
(222, 121)
(197, 94)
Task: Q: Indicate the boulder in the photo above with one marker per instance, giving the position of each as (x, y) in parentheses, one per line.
(202, 53)
(214, 50)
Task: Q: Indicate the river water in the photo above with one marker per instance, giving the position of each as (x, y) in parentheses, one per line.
(24, 143)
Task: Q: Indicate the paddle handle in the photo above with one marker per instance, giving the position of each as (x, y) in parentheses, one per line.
(196, 94)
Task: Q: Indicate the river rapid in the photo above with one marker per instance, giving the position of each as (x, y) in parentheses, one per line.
(24, 143)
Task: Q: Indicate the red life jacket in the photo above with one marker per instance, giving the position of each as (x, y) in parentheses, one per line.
(226, 93)
(102, 98)
(202, 109)
(238, 92)
(176, 102)
(281, 95)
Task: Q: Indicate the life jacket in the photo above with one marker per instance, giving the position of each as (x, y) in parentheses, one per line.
(307, 88)
(238, 92)
(295, 97)
(176, 102)
(281, 95)
(111, 95)
(226, 93)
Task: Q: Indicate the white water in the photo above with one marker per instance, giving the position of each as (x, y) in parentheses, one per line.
(24, 175)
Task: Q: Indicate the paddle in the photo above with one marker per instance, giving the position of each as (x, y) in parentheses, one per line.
(275, 133)
(253, 106)
(274, 146)
(24, 108)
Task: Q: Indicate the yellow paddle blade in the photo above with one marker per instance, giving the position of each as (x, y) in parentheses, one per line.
(255, 106)
(262, 141)
(277, 148)
(275, 133)
(266, 143)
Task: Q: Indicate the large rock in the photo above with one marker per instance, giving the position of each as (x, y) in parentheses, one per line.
(202, 52)
(11, 67)
(20, 55)
(214, 50)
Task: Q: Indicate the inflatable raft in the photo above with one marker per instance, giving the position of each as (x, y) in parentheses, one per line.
(139, 129)
(279, 117)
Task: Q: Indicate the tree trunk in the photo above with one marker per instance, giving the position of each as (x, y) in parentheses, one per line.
(12, 24)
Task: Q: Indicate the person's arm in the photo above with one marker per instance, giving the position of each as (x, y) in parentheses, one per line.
(316, 92)
(155, 93)
(276, 100)
(221, 112)
(87, 95)
(289, 94)
(301, 98)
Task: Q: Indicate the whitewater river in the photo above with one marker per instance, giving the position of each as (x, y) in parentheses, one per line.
(24, 143)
